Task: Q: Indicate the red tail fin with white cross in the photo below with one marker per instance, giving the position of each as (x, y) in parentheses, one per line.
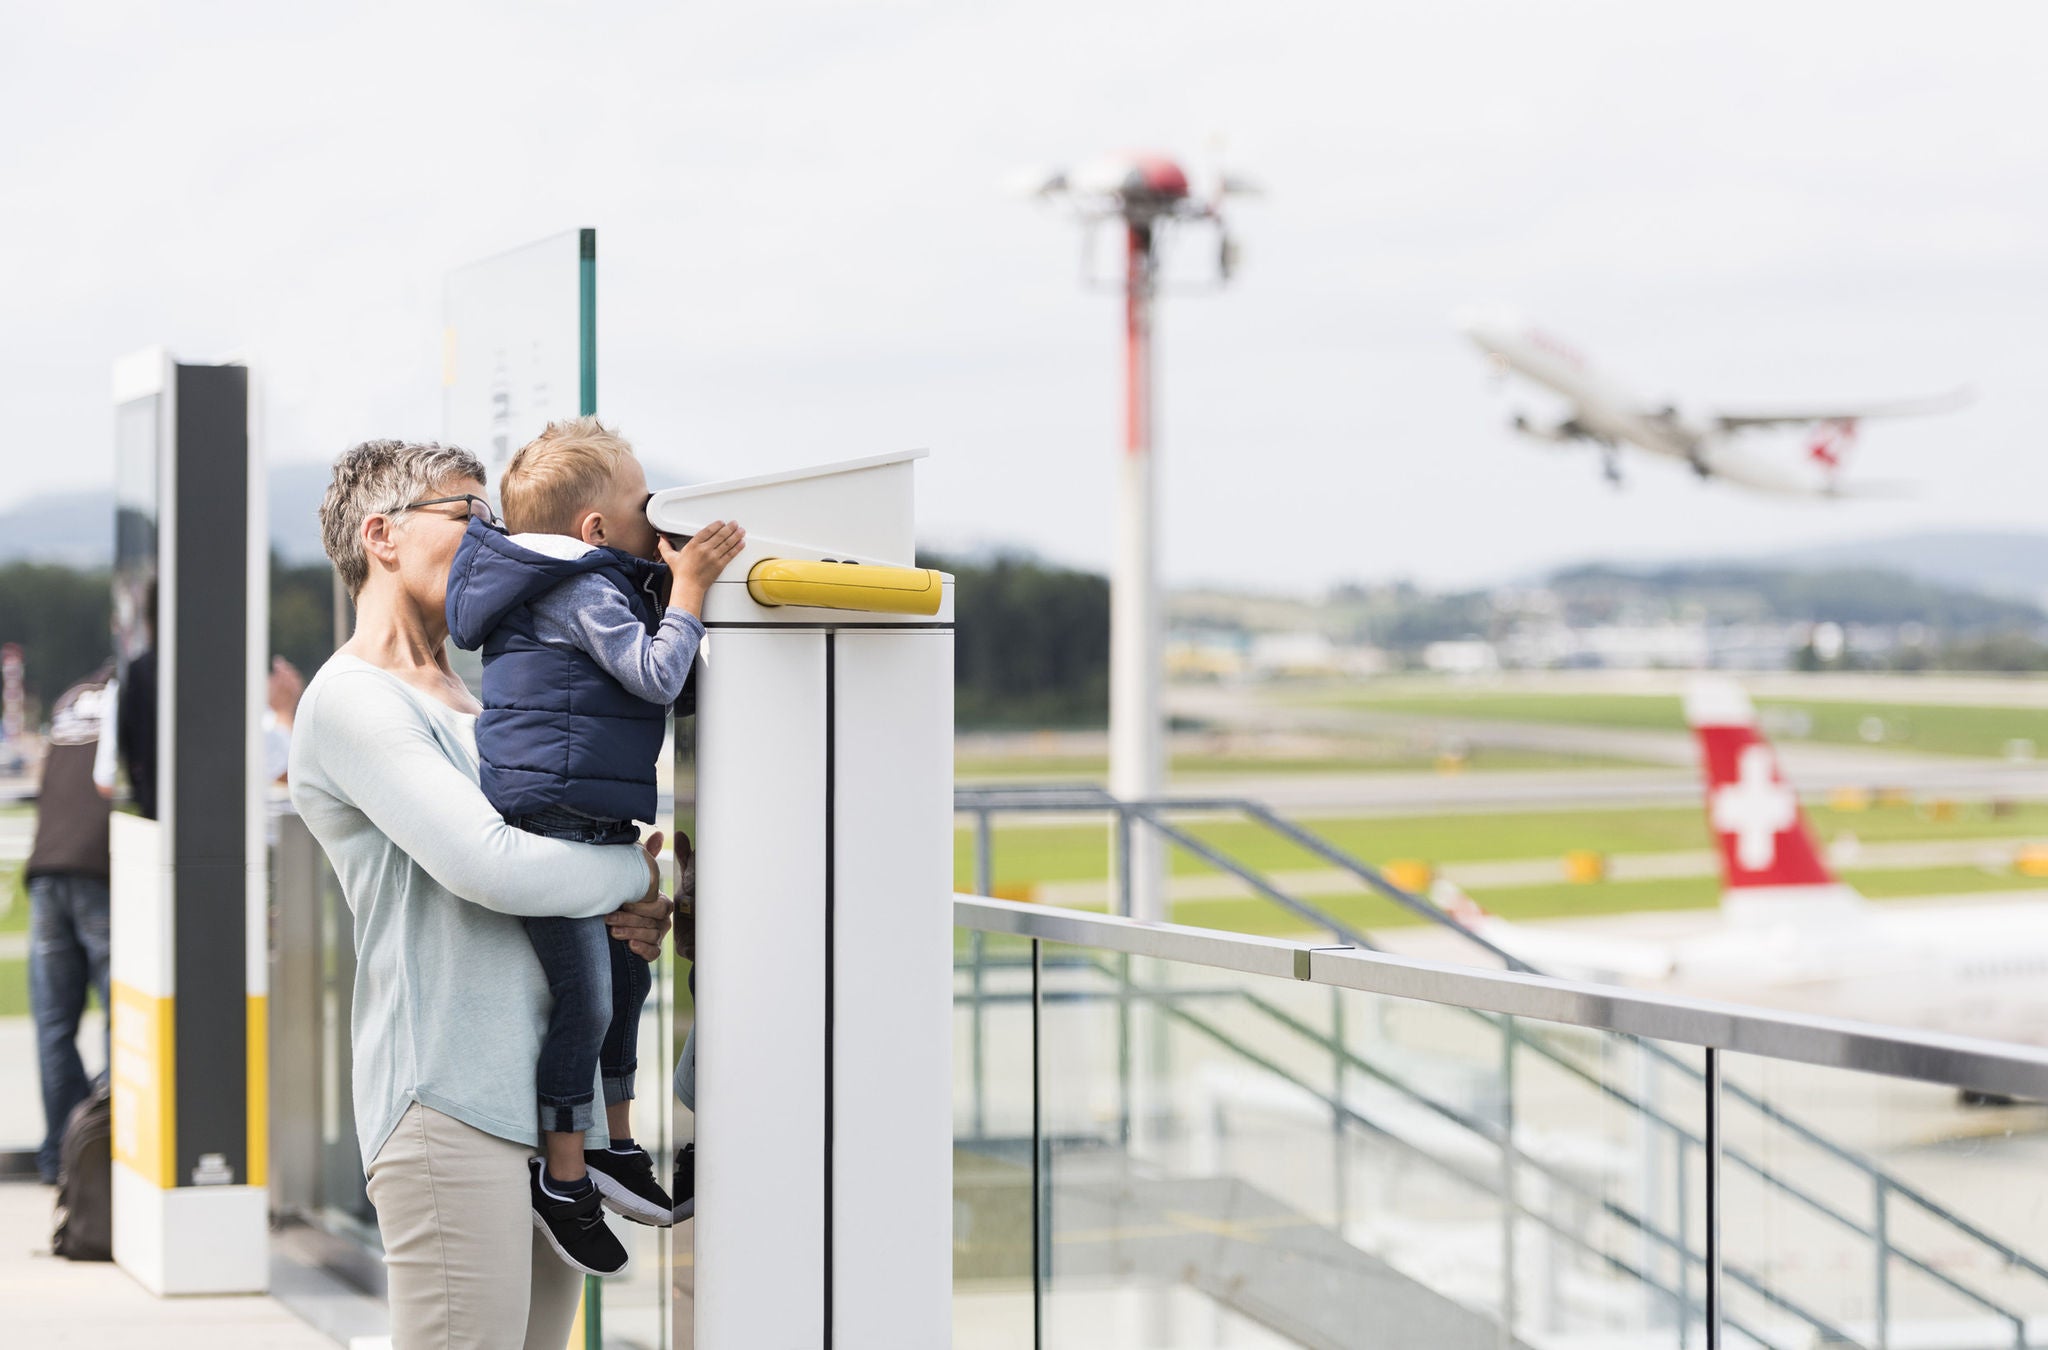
(1770, 870)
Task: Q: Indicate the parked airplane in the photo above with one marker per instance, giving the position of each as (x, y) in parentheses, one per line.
(1792, 932)
(1609, 416)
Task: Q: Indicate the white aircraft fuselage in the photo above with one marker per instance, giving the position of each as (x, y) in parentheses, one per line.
(1609, 415)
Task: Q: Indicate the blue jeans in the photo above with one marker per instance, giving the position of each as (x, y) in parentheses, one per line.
(67, 953)
(598, 985)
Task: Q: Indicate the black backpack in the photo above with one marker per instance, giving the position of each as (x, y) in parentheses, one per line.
(85, 1181)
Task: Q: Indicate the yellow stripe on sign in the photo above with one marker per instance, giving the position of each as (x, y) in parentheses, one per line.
(259, 1090)
(145, 1085)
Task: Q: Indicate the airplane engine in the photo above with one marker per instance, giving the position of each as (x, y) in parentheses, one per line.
(1556, 434)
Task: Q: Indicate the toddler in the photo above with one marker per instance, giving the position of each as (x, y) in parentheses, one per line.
(587, 642)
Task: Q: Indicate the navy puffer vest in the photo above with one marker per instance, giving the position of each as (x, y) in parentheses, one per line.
(556, 731)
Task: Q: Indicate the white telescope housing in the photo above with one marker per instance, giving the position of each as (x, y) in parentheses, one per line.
(824, 800)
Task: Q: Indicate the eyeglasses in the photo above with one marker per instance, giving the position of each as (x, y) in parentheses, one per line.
(478, 508)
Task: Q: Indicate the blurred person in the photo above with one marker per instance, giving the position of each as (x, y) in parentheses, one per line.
(136, 751)
(683, 1187)
(450, 1001)
(133, 703)
(68, 903)
(587, 642)
(282, 691)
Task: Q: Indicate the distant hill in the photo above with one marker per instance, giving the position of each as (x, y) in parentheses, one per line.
(76, 529)
(2009, 563)
(1735, 593)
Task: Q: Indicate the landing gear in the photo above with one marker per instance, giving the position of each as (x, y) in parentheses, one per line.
(1610, 465)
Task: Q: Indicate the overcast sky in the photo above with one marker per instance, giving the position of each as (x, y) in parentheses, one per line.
(807, 253)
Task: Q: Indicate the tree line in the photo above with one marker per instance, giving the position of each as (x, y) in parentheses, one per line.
(1032, 646)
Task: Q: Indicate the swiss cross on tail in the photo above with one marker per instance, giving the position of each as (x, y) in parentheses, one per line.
(1768, 860)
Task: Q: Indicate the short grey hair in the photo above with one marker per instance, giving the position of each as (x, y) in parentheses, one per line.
(375, 477)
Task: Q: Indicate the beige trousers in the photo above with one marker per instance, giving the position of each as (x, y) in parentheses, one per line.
(465, 1264)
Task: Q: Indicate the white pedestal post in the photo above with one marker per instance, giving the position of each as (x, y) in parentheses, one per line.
(824, 932)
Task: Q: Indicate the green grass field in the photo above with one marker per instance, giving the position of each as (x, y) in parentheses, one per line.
(1567, 901)
(1930, 728)
(1028, 854)
(13, 919)
(1402, 758)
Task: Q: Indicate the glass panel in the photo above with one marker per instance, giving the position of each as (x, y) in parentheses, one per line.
(992, 1230)
(1241, 1161)
(1610, 1183)
(636, 1308)
(680, 761)
(342, 1196)
(1878, 1211)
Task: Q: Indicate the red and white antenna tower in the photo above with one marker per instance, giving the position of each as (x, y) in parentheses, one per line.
(1144, 193)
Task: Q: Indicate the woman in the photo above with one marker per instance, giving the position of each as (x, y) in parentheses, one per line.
(450, 1003)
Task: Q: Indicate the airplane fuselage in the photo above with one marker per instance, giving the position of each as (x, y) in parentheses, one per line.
(1608, 414)
(1602, 410)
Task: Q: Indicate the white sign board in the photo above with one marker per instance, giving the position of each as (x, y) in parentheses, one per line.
(512, 351)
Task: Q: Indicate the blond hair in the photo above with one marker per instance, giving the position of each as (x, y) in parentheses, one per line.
(560, 474)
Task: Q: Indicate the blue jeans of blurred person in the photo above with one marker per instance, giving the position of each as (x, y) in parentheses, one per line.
(67, 954)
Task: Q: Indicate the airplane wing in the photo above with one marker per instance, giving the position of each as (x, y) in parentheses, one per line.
(1800, 417)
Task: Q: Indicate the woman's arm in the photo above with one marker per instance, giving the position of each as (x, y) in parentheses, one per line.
(376, 750)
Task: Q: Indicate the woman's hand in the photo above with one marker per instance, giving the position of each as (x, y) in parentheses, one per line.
(686, 899)
(645, 922)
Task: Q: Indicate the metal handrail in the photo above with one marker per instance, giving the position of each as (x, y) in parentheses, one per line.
(1836, 1043)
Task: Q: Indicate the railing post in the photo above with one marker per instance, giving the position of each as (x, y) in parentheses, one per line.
(977, 953)
(984, 854)
(1123, 860)
(1341, 1155)
(1041, 1236)
(1880, 1237)
(1508, 1201)
(1682, 1216)
(1712, 1149)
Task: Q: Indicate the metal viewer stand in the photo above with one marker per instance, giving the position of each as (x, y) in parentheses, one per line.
(824, 742)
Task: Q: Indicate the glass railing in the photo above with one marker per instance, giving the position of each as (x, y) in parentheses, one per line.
(317, 1183)
(1172, 1136)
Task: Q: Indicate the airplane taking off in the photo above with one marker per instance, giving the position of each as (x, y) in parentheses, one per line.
(1789, 925)
(1609, 416)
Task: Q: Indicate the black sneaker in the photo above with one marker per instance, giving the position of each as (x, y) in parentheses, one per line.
(626, 1181)
(686, 1182)
(576, 1228)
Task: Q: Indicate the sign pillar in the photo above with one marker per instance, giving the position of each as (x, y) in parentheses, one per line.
(190, 885)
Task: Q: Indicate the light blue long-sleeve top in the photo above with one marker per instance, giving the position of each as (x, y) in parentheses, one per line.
(450, 1003)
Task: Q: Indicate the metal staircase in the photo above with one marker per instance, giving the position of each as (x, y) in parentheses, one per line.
(1476, 1144)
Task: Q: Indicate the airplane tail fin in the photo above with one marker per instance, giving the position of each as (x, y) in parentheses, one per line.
(1829, 447)
(1770, 870)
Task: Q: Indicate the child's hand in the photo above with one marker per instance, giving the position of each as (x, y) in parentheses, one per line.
(697, 563)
